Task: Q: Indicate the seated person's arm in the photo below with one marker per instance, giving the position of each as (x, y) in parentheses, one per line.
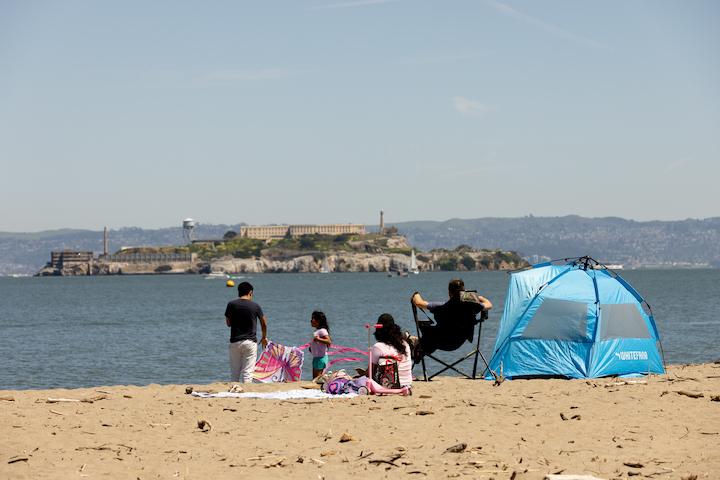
(418, 301)
(486, 304)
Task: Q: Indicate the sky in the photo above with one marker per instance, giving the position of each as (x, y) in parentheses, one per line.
(141, 113)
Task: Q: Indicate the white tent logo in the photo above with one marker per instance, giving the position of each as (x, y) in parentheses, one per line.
(632, 355)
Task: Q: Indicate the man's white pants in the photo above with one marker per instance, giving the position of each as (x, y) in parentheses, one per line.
(242, 360)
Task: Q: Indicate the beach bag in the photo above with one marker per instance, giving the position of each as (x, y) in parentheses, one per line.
(470, 296)
(337, 386)
(334, 383)
(385, 373)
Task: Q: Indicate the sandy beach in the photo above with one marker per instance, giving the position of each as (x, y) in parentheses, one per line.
(663, 427)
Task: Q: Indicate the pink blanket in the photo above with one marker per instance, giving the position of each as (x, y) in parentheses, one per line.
(279, 363)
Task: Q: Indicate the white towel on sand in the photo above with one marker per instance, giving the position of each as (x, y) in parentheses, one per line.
(281, 395)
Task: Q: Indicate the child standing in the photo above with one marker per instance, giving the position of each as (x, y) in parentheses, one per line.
(320, 342)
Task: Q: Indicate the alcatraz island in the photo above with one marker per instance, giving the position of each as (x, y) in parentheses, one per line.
(281, 249)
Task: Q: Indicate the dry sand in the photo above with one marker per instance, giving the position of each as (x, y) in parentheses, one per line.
(522, 429)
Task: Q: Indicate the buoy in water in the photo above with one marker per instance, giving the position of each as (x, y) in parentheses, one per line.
(229, 283)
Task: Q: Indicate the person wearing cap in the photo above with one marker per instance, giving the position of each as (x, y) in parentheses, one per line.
(242, 315)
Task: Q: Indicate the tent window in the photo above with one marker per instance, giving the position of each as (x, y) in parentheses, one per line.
(622, 320)
(559, 320)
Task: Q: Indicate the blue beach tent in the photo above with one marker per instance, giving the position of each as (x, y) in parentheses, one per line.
(574, 318)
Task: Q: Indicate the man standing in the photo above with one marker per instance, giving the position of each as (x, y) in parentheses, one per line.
(241, 315)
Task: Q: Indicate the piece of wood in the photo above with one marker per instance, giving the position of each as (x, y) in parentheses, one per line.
(99, 448)
(62, 400)
(364, 455)
(626, 382)
(276, 463)
(553, 476)
(460, 447)
(7, 399)
(689, 394)
(94, 399)
(390, 461)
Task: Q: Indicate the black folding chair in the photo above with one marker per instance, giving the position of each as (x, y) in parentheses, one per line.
(474, 354)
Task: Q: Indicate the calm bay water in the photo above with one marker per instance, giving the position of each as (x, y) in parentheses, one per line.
(86, 331)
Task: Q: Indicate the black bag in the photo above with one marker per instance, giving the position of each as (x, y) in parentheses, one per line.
(385, 372)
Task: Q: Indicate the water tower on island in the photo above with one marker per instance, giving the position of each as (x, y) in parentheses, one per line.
(188, 226)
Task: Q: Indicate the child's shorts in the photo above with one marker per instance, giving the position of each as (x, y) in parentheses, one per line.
(319, 363)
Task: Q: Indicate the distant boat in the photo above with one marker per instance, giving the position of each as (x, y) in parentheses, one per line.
(216, 276)
(614, 266)
(413, 263)
(396, 273)
(325, 266)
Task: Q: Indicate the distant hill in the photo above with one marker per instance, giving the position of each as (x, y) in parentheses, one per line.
(611, 240)
(26, 253)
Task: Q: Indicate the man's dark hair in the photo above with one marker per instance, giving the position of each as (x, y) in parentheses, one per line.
(455, 287)
(244, 288)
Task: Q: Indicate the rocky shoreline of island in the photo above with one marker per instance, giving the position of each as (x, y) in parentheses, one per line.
(330, 262)
(392, 255)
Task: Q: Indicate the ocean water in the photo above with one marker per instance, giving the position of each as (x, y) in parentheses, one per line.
(89, 331)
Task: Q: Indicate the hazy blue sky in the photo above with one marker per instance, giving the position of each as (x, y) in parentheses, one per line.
(138, 113)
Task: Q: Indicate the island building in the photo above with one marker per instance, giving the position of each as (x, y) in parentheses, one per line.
(69, 258)
(267, 232)
(60, 259)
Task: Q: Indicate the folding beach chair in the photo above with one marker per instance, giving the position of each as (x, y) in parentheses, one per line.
(455, 344)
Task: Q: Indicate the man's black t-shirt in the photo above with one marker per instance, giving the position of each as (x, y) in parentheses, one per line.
(243, 315)
(458, 316)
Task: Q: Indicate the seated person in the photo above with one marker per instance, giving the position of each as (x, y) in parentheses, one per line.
(390, 343)
(454, 320)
